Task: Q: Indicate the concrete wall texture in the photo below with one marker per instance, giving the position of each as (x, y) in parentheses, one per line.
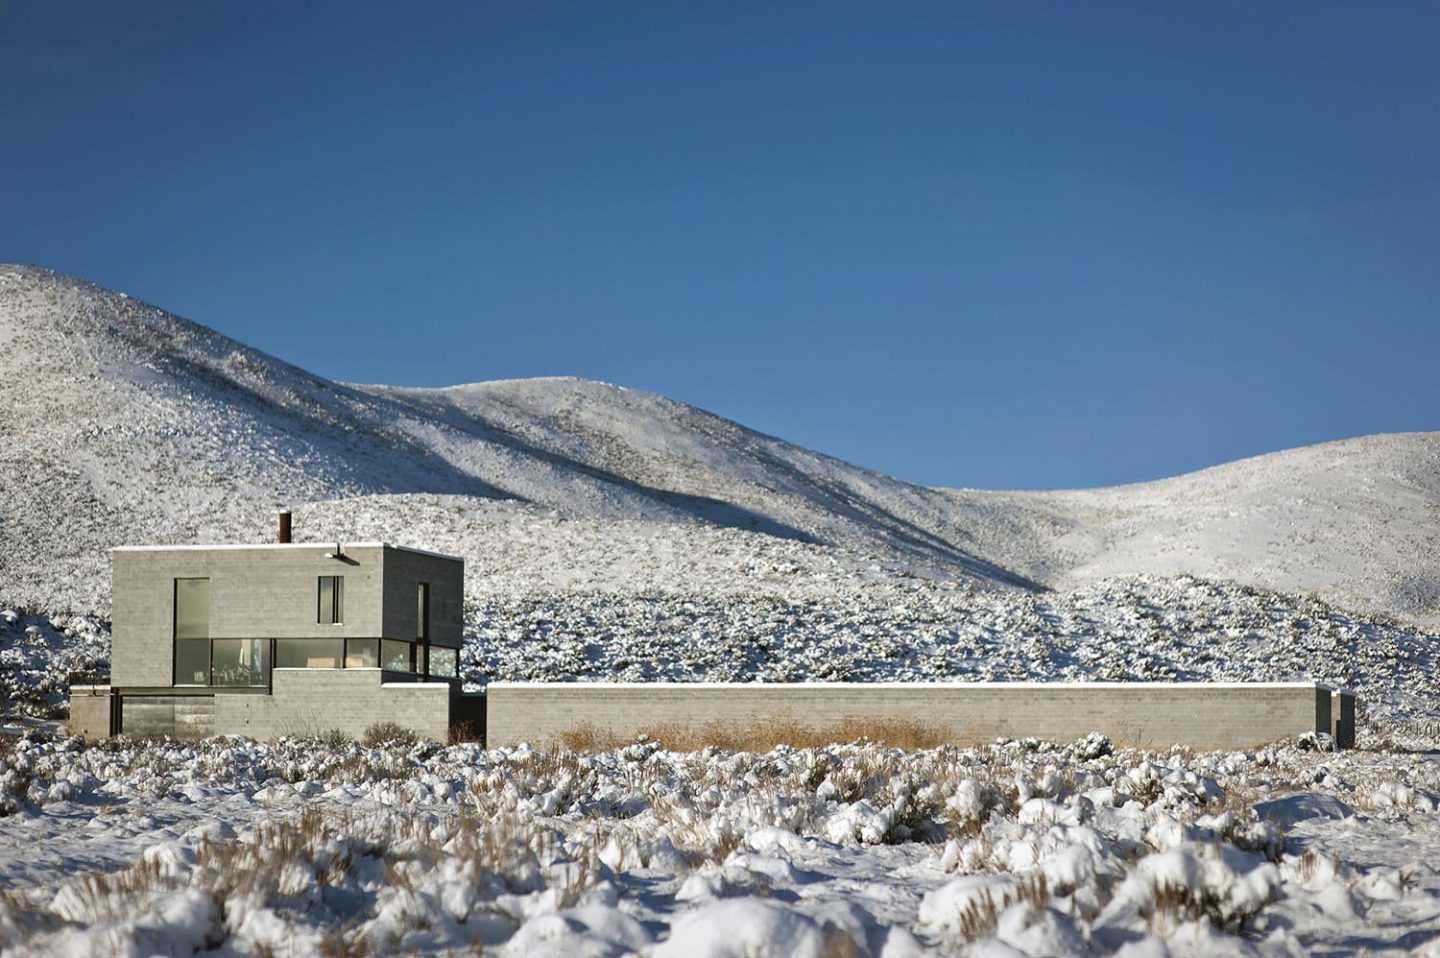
(90, 710)
(404, 569)
(180, 716)
(255, 593)
(1211, 716)
(305, 702)
(270, 592)
(311, 701)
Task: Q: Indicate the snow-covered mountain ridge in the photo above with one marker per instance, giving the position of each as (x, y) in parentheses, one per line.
(129, 424)
(123, 423)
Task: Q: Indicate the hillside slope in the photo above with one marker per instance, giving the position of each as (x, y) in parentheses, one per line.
(120, 423)
(1357, 521)
(128, 424)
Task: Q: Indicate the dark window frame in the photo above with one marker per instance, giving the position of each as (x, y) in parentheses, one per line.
(175, 638)
(289, 647)
(421, 657)
(360, 645)
(337, 600)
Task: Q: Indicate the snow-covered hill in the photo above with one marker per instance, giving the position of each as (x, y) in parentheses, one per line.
(1355, 521)
(122, 423)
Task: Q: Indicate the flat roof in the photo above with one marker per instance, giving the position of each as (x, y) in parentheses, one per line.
(286, 545)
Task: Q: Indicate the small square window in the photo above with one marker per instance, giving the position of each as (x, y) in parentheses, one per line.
(443, 662)
(362, 653)
(397, 656)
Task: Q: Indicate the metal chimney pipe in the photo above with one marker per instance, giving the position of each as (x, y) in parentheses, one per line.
(284, 527)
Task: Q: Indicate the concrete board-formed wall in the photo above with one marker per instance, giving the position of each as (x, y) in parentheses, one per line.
(179, 716)
(404, 570)
(90, 711)
(312, 701)
(1199, 715)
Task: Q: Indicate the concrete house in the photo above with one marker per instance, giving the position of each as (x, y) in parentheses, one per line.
(299, 639)
(279, 639)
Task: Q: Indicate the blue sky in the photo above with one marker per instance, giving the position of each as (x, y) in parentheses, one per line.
(1008, 245)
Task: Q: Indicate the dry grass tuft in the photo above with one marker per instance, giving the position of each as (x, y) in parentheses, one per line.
(980, 919)
(382, 733)
(463, 732)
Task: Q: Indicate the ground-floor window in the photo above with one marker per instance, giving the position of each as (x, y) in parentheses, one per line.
(246, 663)
(444, 663)
(224, 662)
(192, 661)
(309, 653)
(362, 653)
(397, 656)
(240, 662)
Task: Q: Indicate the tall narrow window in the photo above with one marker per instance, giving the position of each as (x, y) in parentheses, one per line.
(331, 610)
(422, 629)
(192, 631)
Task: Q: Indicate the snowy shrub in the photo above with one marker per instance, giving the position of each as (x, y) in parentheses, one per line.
(387, 733)
(342, 847)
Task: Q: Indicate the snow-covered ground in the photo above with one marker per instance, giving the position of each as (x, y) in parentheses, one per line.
(305, 847)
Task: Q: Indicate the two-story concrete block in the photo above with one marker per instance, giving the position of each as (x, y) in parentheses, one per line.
(279, 639)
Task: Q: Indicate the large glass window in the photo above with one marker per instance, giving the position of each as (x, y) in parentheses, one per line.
(192, 631)
(192, 608)
(444, 663)
(239, 662)
(397, 656)
(192, 662)
(331, 603)
(309, 653)
(362, 653)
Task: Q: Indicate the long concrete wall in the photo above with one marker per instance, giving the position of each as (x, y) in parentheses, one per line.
(1198, 715)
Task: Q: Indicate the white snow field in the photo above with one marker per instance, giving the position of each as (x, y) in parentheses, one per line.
(612, 534)
(327, 847)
